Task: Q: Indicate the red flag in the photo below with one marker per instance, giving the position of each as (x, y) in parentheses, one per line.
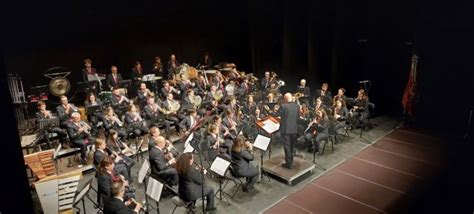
(410, 89)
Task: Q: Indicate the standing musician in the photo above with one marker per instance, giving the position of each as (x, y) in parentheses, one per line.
(101, 152)
(265, 83)
(340, 96)
(134, 121)
(340, 114)
(65, 109)
(44, 114)
(118, 148)
(79, 134)
(158, 67)
(153, 113)
(242, 155)
(93, 117)
(325, 94)
(173, 65)
(317, 131)
(137, 72)
(114, 78)
(87, 70)
(191, 182)
(289, 112)
(162, 162)
(112, 121)
(304, 91)
(206, 62)
(119, 101)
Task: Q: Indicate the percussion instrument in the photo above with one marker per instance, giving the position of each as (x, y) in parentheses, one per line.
(82, 111)
(59, 86)
(106, 96)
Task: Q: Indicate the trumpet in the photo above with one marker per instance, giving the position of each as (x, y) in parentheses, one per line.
(87, 128)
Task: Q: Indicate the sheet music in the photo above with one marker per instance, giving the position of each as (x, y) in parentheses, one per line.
(219, 166)
(93, 77)
(143, 171)
(153, 189)
(188, 149)
(27, 140)
(188, 140)
(149, 77)
(262, 142)
(270, 126)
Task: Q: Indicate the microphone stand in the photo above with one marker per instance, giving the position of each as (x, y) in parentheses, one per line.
(195, 144)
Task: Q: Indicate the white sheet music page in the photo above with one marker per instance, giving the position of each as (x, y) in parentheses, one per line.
(270, 126)
(143, 171)
(262, 142)
(188, 140)
(219, 166)
(153, 189)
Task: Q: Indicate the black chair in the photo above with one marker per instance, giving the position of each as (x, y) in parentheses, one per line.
(178, 202)
(239, 183)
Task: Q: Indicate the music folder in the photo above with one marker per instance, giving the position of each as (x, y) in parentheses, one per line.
(143, 171)
(220, 166)
(262, 142)
(154, 189)
(187, 145)
(270, 126)
(148, 77)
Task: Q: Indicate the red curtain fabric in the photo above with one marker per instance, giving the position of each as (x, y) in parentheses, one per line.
(410, 91)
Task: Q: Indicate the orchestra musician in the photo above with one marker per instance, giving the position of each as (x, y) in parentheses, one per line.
(118, 148)
(79, 134)
(101, 152)
(265, 82)
(289, 112)
(230, 124)
(134, 121)
(93, 117)
(106, 176)
(167, 89)
(153, 113)
(112, 121)
(172, 67)
(305, 92)
(65, 109)
(191, 182)
(143, 94)
(114, 78)
(44, 114)
(325, 94)
(215, 145)
(158, 67)
(189, 121)
(170, 109)
(119, 101)
(206, 62)
(118, 204)
(340, 114)
(154, 134)
(194, 101)
(317, 131)
(87, 70)
(242, 155)
(360, 111)
(250, 106)
(340, 96)
(320, 105)
(162, 162)
(137, 72)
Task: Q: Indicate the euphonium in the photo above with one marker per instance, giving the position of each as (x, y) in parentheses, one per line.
(217, 95)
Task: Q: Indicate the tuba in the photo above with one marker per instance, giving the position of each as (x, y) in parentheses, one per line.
(196, 100)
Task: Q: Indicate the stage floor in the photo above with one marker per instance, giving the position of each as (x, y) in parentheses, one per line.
(356, 159)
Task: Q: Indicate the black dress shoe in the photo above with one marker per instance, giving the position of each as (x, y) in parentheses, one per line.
(210, 209)
(284, 165)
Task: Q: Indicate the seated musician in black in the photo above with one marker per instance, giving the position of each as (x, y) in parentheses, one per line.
(249, 106)
(112, 121)
(135, 123)
(65, 110)
(143, 94)
(242, 155)
(44, 114)
(171, 108)
(101, 152)
(360, 111)
(305, 92)
(93, 117)
(193, 101)
(191, 182)
(158, 67)
(79, 134)
(119, 148)
(189, 121)
(117, 204)
(119, 102)
(156, 118)
(167, 89)
(215, 145)
(114, 78)
(319, 105)
(318, 131)
(154, 135)
(87, 70)
(325, 94)
(106, 176)
(162, 162)
(137, 72)
(230, 124)
(340, 114)
(340, 96)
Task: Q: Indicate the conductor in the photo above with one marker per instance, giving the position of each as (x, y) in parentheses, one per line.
(288, 128)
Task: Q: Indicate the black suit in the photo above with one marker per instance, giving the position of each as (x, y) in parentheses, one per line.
(114, 83)
(160, 167)
(242, 167)
(116, 206)
(289, 113)
(190, 187)
(85, 73)
(104, 188)
(80, 140)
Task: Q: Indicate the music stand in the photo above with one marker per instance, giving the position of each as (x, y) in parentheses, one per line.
(93, 109)
(153, 190)
(87, 87)
(270, 125)
(80, 194)
(125, 83)
(219, 167)
(261, 142)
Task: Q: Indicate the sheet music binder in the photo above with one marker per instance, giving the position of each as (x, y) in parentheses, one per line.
(154, 189)
(262, 142)
(220, 166)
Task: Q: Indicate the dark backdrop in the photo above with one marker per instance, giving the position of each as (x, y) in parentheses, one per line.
(340, 42)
